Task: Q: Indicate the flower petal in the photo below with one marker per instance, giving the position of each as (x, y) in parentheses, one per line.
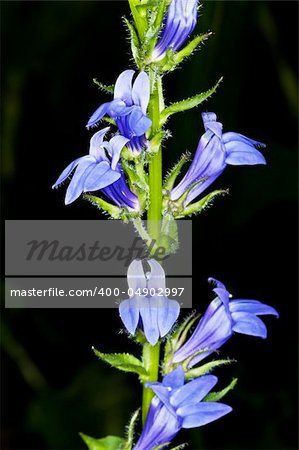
(169, 311)
(138, 122)
(96, 142)
(141, 91)
(247, 323)
(100, 176)
(252, 306)
(156, 278)
(76, 185)
(175, 379)
(203, 413)
(129, 313)
(135, 276)
(117, 143)
(67, 171)
(149, 315)
(123, 87)
(193, 392)
(241, 150)
(114, 108)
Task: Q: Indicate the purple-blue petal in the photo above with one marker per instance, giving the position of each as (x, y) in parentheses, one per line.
(96, 142)
(123, 87)
(202, 414)
(193, 392)
(129, 313)
(169, 311)
(67, 171)
(175, 378)
(116, 145)
(252, 306)
(247, 323)
(238, 154)
(76, 186)
(141, 91)
(149, 314)
(100, 177)
(138, 122)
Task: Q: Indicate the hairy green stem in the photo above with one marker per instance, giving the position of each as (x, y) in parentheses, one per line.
(151, 354)
(151, 359)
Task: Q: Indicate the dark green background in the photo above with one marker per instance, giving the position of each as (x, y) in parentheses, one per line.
(52, 386)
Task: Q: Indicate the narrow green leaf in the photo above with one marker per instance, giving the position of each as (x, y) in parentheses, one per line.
(108, 89)
(139, 19)
(106, 443)
(122, 361)
(175, 171)
(216, 396)
(189, 103)
(168, 239)
(179, 447)
(198, 207)
(206, 368)
(130, 431)
(114, 211)
(134, 41)
(191, 47)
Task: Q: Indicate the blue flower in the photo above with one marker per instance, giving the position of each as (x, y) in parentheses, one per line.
(215, 150)
(128, 108)
(179, 23)
(222, 318)
(147, 306)
(97, 170)
(178, 405)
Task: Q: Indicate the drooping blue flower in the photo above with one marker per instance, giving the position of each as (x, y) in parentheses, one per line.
(178, 405)
(215, 150)
(97, 170)
(128, 108)
(179, 23)
(222, 318)
(147, 306)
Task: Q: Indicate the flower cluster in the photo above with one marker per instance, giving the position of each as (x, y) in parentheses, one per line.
(100, 169)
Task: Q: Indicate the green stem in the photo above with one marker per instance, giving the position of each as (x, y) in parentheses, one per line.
(151, 358)
(151, 354)
(156, 105)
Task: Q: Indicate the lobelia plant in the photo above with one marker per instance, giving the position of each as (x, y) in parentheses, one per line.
(122, 176)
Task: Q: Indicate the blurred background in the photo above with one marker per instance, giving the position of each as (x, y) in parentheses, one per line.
(52, 385)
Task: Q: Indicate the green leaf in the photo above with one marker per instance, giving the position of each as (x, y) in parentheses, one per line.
(134, 41)
(206, 368)
(175, 171)
(114, 211)
(130, 431)
(216, 396)
(108, 89)
(198, 207)
(123, 361)
(107, 443)
(190, 48)
(189, 103)
(139, 18)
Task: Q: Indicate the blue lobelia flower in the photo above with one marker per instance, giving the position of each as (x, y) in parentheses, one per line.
(222, 318)
(180, 21)
(147, 305)
(215, 150)
(97, 170)
(128, 108)
(178, 405)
